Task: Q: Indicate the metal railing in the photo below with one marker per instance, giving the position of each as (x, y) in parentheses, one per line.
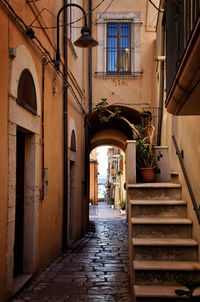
(196, 208)
(181, 18)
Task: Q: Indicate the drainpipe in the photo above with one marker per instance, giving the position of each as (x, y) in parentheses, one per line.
(87, 176)
(42, 117)
(87, 152)
(161, 91)
(65, 134)
(90, 59)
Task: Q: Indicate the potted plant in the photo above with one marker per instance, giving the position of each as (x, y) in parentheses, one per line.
(112, 202)
(122, 206)
(146, 159)
(190, 291)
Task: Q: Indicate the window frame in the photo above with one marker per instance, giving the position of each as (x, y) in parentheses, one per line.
(21, 102)
(119, 36)
(134, 18)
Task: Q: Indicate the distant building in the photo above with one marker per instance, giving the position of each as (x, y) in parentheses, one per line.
(116, 176)
(93, 178)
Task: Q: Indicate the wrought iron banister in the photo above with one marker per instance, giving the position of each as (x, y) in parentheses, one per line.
(196, 209)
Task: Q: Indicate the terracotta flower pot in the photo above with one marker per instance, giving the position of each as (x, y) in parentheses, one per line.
(147, 174)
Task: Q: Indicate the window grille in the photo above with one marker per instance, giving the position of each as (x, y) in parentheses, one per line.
(118, 52)
(118, 48)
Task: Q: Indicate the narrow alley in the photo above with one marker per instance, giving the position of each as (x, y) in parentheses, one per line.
(94, 269)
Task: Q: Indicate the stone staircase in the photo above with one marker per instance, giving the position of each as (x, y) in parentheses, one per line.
(160, 242)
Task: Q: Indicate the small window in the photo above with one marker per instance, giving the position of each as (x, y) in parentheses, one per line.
(118, 48)
(73, 141)
(26, 95)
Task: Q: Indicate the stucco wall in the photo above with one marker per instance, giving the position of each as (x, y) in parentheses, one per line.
(4, 67)
(186, 131)
(93, 182)
(130, 91)
(45, 218)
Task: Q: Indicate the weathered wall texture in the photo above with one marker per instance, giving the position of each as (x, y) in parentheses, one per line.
(43, 219)
(3, 150)
(135, 91)
(186, 131)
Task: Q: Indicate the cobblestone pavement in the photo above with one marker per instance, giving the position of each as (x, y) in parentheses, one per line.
(94, 269)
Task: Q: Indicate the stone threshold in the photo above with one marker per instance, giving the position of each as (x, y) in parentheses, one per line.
(19, 282)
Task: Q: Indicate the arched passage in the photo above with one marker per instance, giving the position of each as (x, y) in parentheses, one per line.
(114, 133)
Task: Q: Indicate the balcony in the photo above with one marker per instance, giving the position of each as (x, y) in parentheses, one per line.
(183, 58)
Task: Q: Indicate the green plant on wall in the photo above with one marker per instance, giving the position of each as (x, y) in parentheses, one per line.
(122, 205)
(144, 136)
(105, 114)
(191, 286)
(112, 201)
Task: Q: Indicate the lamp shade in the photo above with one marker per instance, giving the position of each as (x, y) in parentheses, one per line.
(85, 39)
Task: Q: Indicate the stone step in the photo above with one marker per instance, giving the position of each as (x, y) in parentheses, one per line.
(160, 220)
(164, 277)
(154, 191)
(153, 291)
(161, 227)
(165, 272)
(158, 208)
(169, 249)
(164, 242)
(167, 265)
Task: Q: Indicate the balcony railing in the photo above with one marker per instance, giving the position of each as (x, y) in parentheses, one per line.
(181, 17)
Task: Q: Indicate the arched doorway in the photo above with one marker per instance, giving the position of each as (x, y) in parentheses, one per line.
(23, 171)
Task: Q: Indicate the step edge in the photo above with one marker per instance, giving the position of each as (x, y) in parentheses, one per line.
(167, 202)
(156, 185)
(166, 265)
(163, 242)
(162, 220)
(164, 291)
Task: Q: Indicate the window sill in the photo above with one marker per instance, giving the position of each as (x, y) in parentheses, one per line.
(105, 75)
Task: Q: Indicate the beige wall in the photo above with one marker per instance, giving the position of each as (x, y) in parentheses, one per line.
(3, 151)
(128, 91)
(44, 221)
(186, 131)
(94, 182)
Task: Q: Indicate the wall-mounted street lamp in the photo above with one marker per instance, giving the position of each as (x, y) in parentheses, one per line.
(85, 39)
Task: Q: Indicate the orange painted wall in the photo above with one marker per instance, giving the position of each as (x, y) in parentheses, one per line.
(4, 67)
(94, 182)
(50, 210)
(127, 91)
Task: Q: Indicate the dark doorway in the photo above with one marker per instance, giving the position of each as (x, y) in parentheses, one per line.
(72, 202)
(19, 214)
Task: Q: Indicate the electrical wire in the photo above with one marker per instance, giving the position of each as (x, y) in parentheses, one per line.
(104, 11)
(77, 20)
(160, 11)
(52, 27)
(15, 14)
(43, 50)
(44, 9)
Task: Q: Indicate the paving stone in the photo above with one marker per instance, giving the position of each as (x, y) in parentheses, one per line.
(94, 269)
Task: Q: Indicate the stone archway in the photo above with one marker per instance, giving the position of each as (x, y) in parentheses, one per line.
(115, 132)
